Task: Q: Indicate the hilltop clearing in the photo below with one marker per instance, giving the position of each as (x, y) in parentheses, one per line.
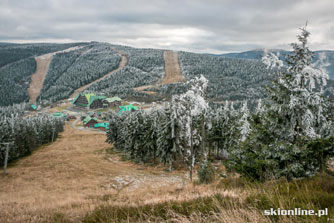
(172, 68)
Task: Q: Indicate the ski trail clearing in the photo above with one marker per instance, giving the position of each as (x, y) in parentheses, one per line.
(172, 73)
(172, 68)
(42, 65)
(122, 64)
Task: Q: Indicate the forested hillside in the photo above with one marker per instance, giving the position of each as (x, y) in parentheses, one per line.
(229, 78)
(14, 81)
(17, 64)
(232, 79)
(71, 70)
(145, 67)
(10, 53)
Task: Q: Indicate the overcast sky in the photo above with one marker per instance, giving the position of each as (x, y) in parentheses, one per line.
(207, 26)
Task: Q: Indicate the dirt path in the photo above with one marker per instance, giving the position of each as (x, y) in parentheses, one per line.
(42, 65)
(122, 64)
(172, 68)
(73, 175)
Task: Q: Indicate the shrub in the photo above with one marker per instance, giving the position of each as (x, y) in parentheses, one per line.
(206, 173)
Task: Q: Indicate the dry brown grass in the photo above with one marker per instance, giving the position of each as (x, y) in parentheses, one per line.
(72, 176)
(172, 68)
(79, 174)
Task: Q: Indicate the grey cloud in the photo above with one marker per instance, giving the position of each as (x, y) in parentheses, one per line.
(214, 26)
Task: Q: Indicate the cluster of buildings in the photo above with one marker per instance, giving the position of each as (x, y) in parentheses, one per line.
(92, 101)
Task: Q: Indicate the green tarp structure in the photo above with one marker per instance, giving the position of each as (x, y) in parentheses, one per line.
(126, 108)
(33, 106)
(87, 119)
(58, 115)
(104, 125)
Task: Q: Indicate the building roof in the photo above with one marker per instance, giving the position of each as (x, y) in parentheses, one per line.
(76, 98)
(88, 119)
(90, 98)
(103, 125)
(93, 97)
(110, 100)
(33, 106)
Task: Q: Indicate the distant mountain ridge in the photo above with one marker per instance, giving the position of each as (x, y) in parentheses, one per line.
(235, 77)
(326, 55)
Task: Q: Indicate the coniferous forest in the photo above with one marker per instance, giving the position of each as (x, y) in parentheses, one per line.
(289, 133)
(25, 134)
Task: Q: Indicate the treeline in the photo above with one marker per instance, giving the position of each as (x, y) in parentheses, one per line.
(27, 133)
(71, 70)
(176, 132)
(15, 80)
(18, 109)
(157, 135)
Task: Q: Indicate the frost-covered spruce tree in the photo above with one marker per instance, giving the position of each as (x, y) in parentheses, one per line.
(189, 108)
(167, 136)
(296, 94)
(244, 125)
(290, 138)
(224, 133)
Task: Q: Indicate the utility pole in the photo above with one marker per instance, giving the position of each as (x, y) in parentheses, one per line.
(6, 156)
(53, 133)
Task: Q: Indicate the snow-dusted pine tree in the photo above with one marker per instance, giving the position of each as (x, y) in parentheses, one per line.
(244, 128)
(297, 94)
(189, 108)
(285, 141)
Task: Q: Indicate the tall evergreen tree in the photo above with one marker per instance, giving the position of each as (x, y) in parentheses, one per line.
(283, 142)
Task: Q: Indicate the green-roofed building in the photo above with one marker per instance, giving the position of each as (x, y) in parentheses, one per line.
(90, 101)
(102, 126)
(112, 102)
(90, 122)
